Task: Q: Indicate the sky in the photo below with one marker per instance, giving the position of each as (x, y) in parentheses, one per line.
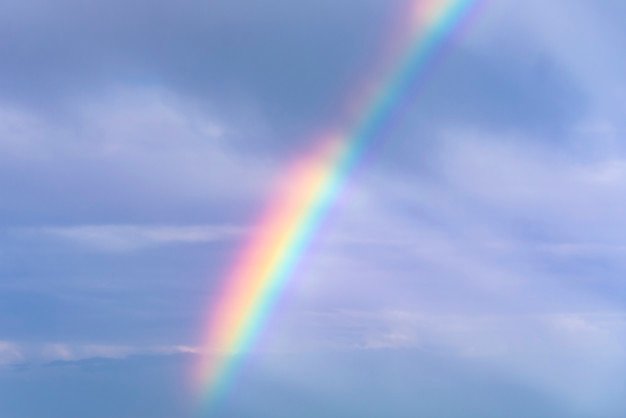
(472, 266)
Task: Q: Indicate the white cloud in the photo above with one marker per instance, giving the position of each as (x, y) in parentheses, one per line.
(580, 194)
(10, 353)
(72, 352)
(133, 237)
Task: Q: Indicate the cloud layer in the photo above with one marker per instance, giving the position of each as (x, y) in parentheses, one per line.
(473, 264)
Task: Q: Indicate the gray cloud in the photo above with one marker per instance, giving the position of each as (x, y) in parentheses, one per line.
(270, 54)
(136, 155)
(236, 55)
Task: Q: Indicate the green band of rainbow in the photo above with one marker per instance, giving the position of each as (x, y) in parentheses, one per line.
(294, 215)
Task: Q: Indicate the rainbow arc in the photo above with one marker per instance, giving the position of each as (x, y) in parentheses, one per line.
(269, 258)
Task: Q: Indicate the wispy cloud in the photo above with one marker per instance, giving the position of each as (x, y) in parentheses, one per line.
(14, 353)
(10, 353)
(134, 237)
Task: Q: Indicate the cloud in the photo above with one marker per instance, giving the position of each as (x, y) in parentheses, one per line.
(509, 253)
(134, 237)
(51, 352)
(10, 353)
(265, 55)
(142, 153)
(30, 354)
(556, 353)
(487, 230)
(578, 193)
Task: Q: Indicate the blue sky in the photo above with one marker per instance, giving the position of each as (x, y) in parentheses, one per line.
(473, 267)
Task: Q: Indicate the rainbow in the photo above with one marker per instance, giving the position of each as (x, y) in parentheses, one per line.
(313, 182)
